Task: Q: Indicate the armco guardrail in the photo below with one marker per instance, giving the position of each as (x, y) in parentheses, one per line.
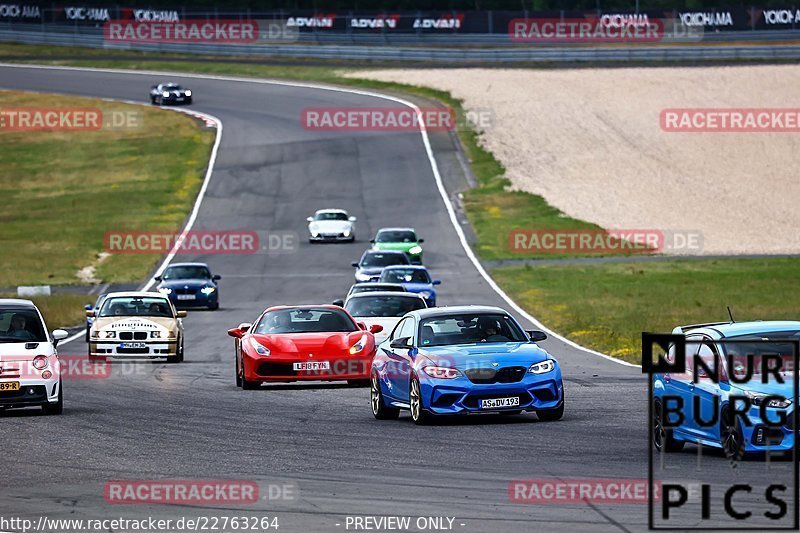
(93, 38)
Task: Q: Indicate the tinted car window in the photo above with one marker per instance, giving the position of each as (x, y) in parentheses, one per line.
(405, 275)
(136, 306)
(331, 216)
(374, 306)
(469, 329)
(396, 236)
(365, 287)
(187, 272)
(382, 259)
(305, 321)
(21, 325)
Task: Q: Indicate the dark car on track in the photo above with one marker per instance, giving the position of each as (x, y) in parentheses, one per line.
(190, 285)
(372, 263)
(170, 93)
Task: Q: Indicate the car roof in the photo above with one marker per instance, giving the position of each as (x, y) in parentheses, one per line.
(396, 229)
(304, 306)
(390, 252)
(378, 284)
(187, 264)
(331, 210)
(16, 302)
(406, 267)
(735, 329)
(370, 294)
(458, 309)
(135, 294)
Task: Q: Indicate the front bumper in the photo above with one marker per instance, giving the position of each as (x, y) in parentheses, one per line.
(277, 368)
(32, 392)
(172, 99)
(331, 237)
(199, 299)
(462, 396)
(108, 348)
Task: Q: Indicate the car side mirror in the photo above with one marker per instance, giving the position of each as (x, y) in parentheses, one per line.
(352, 219)
(420, 241)
(236, 333)
(59, 334)
(158, 278)
(372, 241)
(88, 307)
(90, 313)
(181, 314)
(375, 328)
(437, 282)
(310, 219)
(401, 343)
(362, 325)
(535, 335)
(340, 303)
(216, 277)
(355, 264)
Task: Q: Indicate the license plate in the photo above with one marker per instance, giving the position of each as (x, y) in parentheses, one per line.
(132, 345)
(9, 385)
(187, 297)
(179, 99)
(494, 403)
(312, 365)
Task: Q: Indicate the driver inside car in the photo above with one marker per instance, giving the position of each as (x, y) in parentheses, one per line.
(489, 331)
(17, 328)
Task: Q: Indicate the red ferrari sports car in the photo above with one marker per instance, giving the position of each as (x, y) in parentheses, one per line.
(303, 343)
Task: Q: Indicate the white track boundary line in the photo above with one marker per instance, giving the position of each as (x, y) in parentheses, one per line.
(431, 160)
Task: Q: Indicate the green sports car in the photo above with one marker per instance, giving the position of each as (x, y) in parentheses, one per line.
(402, 239)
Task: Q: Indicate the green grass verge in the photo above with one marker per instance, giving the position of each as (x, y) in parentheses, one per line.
(62, 190)
(607, 306)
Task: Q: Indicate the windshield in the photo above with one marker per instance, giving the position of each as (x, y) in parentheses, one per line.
(382, 259)
(365, 287)
(187, 272)
(172, 87)
(383, 306)
(405, 275)
(308, 320)
(331, 216)
(136, 306)
(396, 236)
(21, 325)
(469, 329)
(737, 354)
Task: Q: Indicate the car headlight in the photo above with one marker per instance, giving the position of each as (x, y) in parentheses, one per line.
(95, 334)
(188, 92)
(346, 233)
(40, 362)
(258, 347)
(360, 276)
(758, 398)
(171, 334)
(542, 368)
(110, 334)
(441, 372)
(155, 334)
(358, 346)
(207, 290)
(415, 250)
(164, 290)
(165, 94)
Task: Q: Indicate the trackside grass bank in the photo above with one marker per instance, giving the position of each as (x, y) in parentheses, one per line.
(607, 306)
(63, 190)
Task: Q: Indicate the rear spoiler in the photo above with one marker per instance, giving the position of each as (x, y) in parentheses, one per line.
(685, 329)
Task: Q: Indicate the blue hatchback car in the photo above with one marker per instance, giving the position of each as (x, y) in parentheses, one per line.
(190, 285)
(414, 278)
(715, 424)
(460, 360)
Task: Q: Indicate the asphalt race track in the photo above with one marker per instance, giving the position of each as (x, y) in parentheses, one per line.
(190, 421)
